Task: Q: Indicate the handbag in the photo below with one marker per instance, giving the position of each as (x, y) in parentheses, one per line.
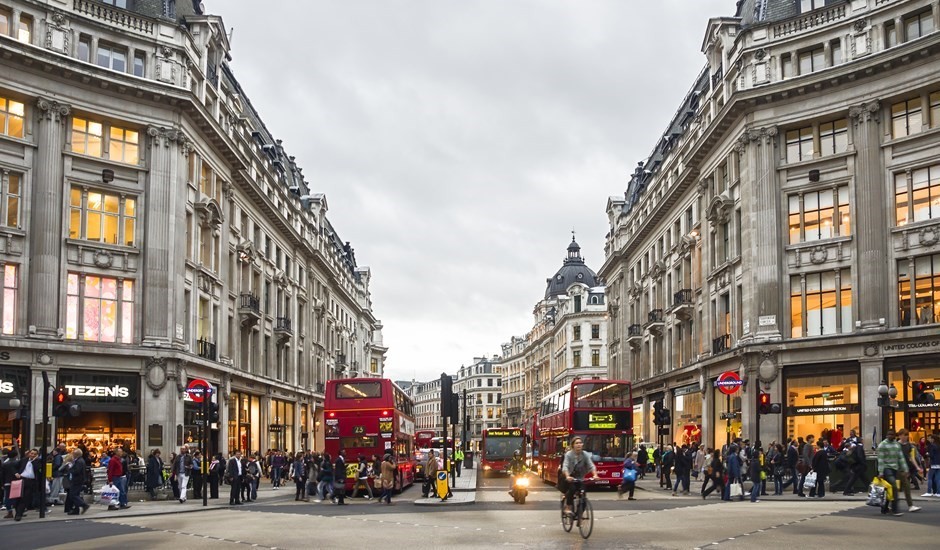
(763, 475)
(16, 488)
(810, 481)
(735, 490)
(109, 495)
(629, 474)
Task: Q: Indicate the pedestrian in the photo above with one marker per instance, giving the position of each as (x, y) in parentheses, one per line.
(278, 462)
(933, 466)
(154, 473)
(856, 464)
(313, 477)
(667, 461)
(216, 473)
(75, 504)
(458, 460)
(325, 480)
(777, 460)
(181, 470)
(642, 458)
(233, 476)
(628, 477)
(658, 463)
(55, 487)
(298, 473)
(362, 478)
(891, 462)
(430, 487)
(198, 475)
(911, 468)
(387, 479)
(715, 473)
(29, 474)
(11, 465)
(914, 460)
(806, 461)
(339, 479)
(117, 476)
(820, 465)
(252, 477)
(754, 472)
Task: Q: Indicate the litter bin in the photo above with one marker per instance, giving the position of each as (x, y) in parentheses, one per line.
(468, 460)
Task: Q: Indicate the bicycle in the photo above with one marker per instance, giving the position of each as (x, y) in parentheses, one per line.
(583, 511)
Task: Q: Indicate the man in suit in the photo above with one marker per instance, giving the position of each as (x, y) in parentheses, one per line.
(339, 479)
(31, 473)
(76, 483)
(233, 474)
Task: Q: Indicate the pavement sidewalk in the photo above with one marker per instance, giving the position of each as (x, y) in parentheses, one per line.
(463, 492)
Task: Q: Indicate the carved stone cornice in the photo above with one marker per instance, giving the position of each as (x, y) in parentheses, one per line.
(866, 112)
(50, 109)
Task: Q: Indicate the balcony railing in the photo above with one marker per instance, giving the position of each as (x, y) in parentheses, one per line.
(282, 324)
(249, 301)
(340, 360)
(683, 297)
(813, 19)
(114, 16)
(655, 316)
(320, 387)
(721, 344)
(634, 330)
(206, 349)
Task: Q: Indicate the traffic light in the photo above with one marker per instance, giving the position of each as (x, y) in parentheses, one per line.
(666, 416)
(658, 413)
(920, 394)
(763, 403)
(62, 404)
(213, 413)
(447, 390)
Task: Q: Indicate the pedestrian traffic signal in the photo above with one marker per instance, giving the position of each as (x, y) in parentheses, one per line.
(666, 416)
(658, 413)
(920, 394)
(763, 403)
(63, 406)
(213, 413)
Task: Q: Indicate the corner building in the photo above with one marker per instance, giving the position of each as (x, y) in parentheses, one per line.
(786, 227)
(154, 232)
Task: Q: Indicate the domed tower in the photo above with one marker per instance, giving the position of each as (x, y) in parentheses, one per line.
(572, 271)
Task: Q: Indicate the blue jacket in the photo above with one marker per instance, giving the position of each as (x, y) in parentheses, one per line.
(734, 466)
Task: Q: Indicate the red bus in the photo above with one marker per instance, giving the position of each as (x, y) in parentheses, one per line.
(367, 416)
(497, 448)
(601, 412)
(423, 438)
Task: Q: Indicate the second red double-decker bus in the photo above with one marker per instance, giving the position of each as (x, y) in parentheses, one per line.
(498, 446)
(367, 416)
(601, 412)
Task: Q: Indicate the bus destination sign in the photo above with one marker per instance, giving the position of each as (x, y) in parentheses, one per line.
(602, 421)
(504, 433)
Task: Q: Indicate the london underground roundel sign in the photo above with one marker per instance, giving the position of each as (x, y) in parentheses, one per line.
(197, 390)
(728, 382)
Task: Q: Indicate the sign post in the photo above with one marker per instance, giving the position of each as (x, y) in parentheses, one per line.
(728, 383)
(199, 391)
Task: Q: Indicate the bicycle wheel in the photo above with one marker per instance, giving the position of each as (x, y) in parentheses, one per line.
(567, 522)
(586, 520)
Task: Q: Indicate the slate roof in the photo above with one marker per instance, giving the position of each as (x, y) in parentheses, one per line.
(756, 12)
(572, 271)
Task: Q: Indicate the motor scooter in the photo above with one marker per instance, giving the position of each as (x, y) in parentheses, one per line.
(520, 488)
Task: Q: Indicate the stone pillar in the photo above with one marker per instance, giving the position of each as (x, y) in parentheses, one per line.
(45, 245)
(872, 369)
(871, 237)
(162, 228)
(761, 219)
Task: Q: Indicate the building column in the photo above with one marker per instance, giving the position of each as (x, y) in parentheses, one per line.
(45, 245)
(872, 372)
(163, 225)
(761, 213)
(871, 237)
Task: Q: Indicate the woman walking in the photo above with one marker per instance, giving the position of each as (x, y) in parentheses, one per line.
(154, 473)
(717, 476)
(821, 467)
(326, 478)
(387, 479)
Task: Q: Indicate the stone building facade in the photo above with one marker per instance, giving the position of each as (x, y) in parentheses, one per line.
(786, 228)
(155, 232)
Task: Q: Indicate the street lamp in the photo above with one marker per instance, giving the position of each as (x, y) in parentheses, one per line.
(20, 406)
(316, 427)
(886, 402)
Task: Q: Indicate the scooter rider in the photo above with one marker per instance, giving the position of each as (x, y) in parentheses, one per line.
(516, 468)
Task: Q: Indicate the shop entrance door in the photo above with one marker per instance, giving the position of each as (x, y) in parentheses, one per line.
(244, 438)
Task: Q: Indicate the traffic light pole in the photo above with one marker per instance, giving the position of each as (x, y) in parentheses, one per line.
(46, 386)
(206, 397)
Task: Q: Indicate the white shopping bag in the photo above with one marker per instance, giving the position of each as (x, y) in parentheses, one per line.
(109, 495)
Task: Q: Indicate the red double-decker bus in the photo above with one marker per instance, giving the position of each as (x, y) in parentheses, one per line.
(497, 448)
(601, 412)
(367, 416)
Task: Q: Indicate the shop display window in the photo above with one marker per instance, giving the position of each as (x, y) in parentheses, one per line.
(638, 424)
(687, 418)
(825, 406)
(920, 419)
(99, 432)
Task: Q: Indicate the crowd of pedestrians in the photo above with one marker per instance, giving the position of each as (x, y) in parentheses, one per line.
(802, 465)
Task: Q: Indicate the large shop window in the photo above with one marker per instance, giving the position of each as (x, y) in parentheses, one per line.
(244, 422)
(638, 424)
(281, 427)
(687, 415)
(923, 274)
(921, 419)
(109, 411)
(14, 381)
(917, 195)
(821, 303)
(823, 405)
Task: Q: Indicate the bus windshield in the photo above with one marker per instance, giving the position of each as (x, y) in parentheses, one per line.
(606, 447)
(502, 447)
(595, 396)
(358, 390)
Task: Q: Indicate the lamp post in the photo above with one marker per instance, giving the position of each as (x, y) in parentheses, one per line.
(20, 405)
(887, 403)
(316, 428)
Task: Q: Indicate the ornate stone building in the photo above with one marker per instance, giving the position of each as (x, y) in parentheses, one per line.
(154, 232)
(786, 227)
(568, 341)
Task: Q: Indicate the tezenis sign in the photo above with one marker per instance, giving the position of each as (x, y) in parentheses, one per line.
(98, 391)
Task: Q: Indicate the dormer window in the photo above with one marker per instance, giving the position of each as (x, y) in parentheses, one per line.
(116, 3)
(810, 5)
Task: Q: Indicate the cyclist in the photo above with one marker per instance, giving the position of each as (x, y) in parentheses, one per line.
(515, 468)
(577, 464)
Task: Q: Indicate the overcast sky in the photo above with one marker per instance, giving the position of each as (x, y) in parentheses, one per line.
(459, 142)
